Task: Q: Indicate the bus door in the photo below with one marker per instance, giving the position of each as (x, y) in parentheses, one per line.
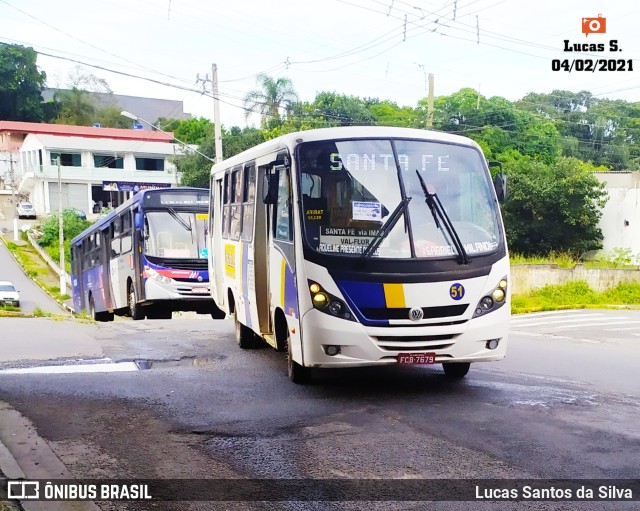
(140, 231)
(77, 280)
(261, 243)
(281, 260)
(105, 249)
(216, 257)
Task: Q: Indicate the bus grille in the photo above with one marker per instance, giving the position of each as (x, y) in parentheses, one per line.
(415, 342)
(403, 313)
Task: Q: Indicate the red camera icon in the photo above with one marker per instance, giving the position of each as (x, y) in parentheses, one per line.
(594, 25)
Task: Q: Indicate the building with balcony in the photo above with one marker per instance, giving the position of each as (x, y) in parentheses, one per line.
(97, 167)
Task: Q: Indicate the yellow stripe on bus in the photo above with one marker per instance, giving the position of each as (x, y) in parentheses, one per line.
(394, 296)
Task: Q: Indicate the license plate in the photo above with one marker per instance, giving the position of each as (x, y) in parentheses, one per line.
(200, 291)
(417, 358)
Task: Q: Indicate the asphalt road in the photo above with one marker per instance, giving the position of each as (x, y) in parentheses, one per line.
(31, 295)
(206, 409)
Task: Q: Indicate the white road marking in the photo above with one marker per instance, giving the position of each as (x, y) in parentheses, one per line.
(599, 324)
(75, 368)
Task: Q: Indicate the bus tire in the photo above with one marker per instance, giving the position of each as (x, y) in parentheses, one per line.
(98, 316)
(456, 369)
(245, 337)
(297, 373)
(135, 311)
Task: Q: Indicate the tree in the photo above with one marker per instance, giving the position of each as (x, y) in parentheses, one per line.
(195, 169)
(553, 207)
(273, 100)
(342, 110)
(21, 84)
(76, 107)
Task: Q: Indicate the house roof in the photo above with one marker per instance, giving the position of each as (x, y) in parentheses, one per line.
(83, 131)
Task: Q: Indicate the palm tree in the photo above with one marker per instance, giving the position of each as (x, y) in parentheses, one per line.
(273, 97)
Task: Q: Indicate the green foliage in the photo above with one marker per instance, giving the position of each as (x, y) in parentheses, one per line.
(39, 313)
(561, 259)
(76, 107)
(71, 227)
(553, 207)
(576, 294)
(110, 117)
(342, 110)
(21, 84)
(189, 131)
(195, 170)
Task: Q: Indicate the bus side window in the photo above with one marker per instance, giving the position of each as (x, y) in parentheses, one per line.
(283, 208)
(226, 200)
(248, 202)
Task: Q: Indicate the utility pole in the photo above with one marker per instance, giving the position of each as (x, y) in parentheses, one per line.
(216, 113)
(63, 281)
(13, 199)
(430, 102)
(217, 133)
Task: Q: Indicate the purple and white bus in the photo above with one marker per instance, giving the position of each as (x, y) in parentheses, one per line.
(147, 258)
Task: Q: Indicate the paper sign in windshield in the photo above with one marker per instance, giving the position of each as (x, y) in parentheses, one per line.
(366, 211)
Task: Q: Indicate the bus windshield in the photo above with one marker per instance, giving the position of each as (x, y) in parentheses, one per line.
(351, 188)
(172, 234)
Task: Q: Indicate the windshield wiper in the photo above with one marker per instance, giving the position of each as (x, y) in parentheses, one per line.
(384, 231)
(437, 210)
(180, 220)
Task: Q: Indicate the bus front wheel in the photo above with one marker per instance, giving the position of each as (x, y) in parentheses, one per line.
(135, 311)
(456, 370)
(297, 373)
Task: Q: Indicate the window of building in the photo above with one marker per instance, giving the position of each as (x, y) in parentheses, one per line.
(106, 161)
(150, 164)
(66, 159)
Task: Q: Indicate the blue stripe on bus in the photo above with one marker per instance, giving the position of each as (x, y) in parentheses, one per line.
(361, 295)
(290, 293)
(245, 293)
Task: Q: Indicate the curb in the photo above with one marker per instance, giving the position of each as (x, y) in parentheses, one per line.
(25, 455)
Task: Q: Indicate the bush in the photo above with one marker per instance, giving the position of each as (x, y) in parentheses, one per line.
(71, 226)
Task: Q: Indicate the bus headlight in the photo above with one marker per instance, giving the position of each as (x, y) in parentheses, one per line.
(493, 300)
(153, 274)
(328, 303)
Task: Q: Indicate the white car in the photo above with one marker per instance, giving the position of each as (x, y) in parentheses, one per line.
(25, 210)
(9, 295)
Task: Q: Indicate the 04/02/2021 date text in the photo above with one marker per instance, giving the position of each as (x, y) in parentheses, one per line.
(591, 65)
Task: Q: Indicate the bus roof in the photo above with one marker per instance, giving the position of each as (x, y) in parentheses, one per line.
(340, 132)
(135, 199)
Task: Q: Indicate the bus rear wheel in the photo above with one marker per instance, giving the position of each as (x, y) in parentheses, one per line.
(297, 373)
(99, 316)
(456, 370)
(135, 311)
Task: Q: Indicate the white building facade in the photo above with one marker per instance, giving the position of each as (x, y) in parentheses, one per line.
(94, 172)
(620, 221)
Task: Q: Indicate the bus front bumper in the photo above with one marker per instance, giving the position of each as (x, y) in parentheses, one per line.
(360, 345)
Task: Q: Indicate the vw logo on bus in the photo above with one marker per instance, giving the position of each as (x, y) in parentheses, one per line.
(416, 314)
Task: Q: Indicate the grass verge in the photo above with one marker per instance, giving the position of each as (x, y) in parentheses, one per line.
(577, 295)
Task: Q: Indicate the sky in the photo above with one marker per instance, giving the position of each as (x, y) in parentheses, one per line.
(368, 48)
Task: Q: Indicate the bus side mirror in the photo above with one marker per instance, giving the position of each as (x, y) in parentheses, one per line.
(137, 221)
(500, 181)
(270, 188)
